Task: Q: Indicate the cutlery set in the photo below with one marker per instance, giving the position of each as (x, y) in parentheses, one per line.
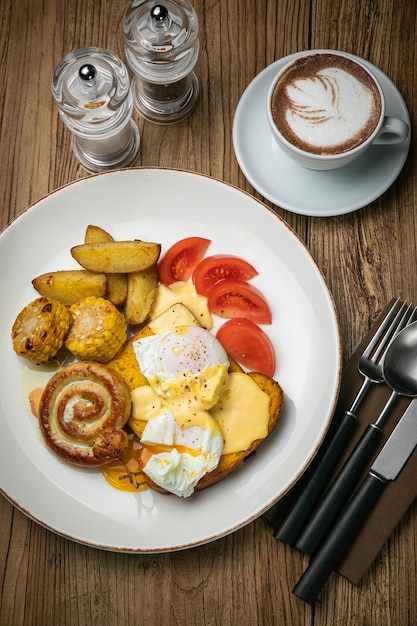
(322, 522)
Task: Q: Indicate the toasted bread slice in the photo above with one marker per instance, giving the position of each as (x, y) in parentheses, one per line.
(230, 462)
(126, 365)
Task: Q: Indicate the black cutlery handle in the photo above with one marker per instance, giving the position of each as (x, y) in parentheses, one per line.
(335, 547)
(294, 520)
(338, 494)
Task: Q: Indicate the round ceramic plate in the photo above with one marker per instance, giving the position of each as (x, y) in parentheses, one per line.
(298, 189)
(165, 206)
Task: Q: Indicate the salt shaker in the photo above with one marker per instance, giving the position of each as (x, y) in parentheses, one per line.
(91, 87)
(161, 48)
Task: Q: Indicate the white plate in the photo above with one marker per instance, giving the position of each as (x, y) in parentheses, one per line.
(167, 205)
(304, 191)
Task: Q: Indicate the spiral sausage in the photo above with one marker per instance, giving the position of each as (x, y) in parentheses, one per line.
(82, 412)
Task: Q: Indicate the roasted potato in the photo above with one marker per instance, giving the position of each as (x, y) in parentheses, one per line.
(116, 283)
(141, 292)
(116, 257)
(94, 234)
(68, 286)
(117, 288)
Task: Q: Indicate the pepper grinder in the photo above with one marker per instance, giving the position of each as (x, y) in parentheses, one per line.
(161, 47)
(92, 90)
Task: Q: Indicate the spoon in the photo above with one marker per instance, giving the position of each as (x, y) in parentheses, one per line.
(400, 373)
(399, 369)
(400, 364)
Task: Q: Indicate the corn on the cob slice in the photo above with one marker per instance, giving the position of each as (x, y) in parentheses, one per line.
(40, 329)
(98, 330)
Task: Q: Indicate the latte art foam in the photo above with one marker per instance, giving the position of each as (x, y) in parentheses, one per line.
(326, 104)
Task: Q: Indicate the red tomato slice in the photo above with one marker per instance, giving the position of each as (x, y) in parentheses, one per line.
(245, 342)
(236, 298)
(214, 268)
(180, 259)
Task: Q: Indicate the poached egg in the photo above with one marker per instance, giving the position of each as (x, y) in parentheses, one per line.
(187, 371)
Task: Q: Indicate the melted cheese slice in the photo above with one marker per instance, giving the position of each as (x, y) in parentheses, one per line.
(242, 413)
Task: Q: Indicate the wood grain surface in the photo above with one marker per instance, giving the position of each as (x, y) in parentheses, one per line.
(366, 257)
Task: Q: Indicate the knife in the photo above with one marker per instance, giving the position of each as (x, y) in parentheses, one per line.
(386, 467)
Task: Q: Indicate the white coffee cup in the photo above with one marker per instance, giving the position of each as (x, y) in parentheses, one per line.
(326, 108)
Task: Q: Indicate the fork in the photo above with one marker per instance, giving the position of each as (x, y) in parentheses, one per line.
(289, 529)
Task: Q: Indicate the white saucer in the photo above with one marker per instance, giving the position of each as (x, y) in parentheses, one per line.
(304, 191)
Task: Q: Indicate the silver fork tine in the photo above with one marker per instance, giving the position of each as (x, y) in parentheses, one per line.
(291, 526)
(387, 323)
(370, 363)
(398, 323)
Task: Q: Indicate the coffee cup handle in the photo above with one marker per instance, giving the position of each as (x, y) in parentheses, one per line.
(392, 131)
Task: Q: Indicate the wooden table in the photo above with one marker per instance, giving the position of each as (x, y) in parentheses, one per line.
(366, 257)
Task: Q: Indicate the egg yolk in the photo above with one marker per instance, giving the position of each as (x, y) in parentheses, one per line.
(124, 474)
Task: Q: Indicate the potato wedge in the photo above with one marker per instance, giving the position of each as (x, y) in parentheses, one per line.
(116, 257)
(116, 288)
(141, 292)
(68, 286)
(94, 234)
(116, 283)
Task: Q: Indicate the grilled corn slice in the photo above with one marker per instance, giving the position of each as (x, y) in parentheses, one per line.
(40, 329)
(98, 330)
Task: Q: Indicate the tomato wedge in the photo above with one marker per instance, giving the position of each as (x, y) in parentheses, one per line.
(248, 344)
(231, 298)
(218, 266)
(180, 259)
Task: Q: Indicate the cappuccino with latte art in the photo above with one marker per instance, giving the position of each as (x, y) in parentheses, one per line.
(326, 104)
(326, 108)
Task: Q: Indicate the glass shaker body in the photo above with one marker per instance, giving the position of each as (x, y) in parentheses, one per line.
(161, 48)
(91, 88)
